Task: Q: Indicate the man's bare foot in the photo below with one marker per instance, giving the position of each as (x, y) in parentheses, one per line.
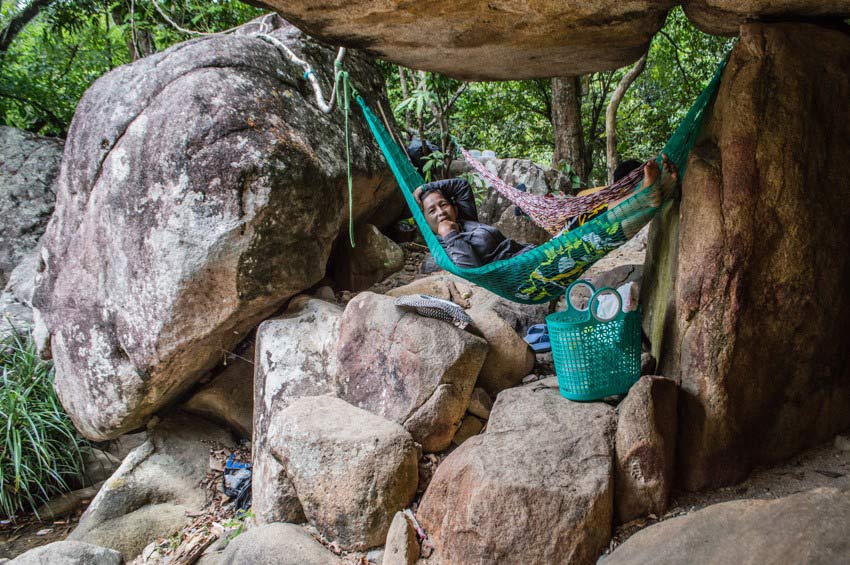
(650, 173)
(660, 191)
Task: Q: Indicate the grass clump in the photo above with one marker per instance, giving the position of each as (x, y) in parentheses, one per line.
(41, 454)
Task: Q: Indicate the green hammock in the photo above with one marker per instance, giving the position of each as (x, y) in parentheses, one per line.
(545, 272)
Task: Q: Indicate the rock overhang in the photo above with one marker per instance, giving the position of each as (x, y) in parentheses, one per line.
(496, 40)
(524, 39)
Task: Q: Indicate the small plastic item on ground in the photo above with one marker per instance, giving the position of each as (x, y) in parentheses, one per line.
(404, 231)
(596, 349)
(236, 482)
(433, 307)
(538, 338)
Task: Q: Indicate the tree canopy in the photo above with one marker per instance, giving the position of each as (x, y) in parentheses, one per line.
(68, 44)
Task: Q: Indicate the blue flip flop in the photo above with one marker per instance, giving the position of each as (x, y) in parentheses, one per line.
(538, 338)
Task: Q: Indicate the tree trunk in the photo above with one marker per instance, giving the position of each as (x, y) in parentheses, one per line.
(405, 93)
(613, 159)
(566, 125)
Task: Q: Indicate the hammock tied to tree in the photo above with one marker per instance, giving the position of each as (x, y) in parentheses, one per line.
(545, 272)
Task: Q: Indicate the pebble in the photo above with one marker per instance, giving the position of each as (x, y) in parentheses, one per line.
(842, 443)
(326, 293)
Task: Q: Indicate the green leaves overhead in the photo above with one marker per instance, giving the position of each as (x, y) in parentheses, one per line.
(71, 43)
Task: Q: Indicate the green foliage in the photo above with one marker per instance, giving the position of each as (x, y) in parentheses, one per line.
(431, 163)
(71, 43)
(238, 523)
(513, 118)
(40, 453)
(681, 62)
(43, 76)
(568, 171)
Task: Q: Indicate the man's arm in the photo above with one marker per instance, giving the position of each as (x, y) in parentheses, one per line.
(460, 251)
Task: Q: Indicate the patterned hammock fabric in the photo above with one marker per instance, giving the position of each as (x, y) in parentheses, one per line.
(552, 214)
(544, 273)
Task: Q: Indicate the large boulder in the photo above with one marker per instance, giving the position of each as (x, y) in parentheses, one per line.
(509, 40)
(155, 489)
(807, 527)
(645, 447)
(201, 187)
(746, 302)
(724, 17)
(520, 227)
(509, 359)
(352, 470)
(68, 553)
(294, 358)
(536, 487)
(29, 165)
(275, 544)
(416, 371)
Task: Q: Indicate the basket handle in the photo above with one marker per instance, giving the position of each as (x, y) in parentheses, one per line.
(594, 301)
(568, 295)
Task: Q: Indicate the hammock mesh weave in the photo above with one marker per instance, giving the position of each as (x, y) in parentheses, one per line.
(545, 272)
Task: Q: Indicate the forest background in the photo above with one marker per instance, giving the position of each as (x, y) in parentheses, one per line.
(51, 51)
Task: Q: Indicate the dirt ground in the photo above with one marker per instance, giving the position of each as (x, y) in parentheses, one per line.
(29, 532)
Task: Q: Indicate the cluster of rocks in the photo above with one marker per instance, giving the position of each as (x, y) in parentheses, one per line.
(324, 375)
(166, 251)
(29, 166)
(371, 362)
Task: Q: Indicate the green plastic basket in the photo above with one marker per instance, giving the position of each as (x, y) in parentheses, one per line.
(595, 357)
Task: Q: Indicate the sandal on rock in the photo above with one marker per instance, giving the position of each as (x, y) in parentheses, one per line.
(433, 307)
(538, 338)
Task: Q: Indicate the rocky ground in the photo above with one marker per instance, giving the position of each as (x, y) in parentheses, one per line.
(217, 523)
(827, 465)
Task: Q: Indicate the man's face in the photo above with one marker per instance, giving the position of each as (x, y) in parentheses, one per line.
(437, 209)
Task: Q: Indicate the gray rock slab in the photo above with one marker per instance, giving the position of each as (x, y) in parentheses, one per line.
(68, 553)
(807, 527)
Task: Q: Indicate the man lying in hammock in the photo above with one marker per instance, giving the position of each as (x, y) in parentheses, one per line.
(449, 208)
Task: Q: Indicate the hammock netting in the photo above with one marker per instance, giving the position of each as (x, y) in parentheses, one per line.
(545, 272)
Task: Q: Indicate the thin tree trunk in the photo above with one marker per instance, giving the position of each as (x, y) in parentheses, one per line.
(567, 126)
(423, 85)
(613, 159)
(140, 42)
(405, 94)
